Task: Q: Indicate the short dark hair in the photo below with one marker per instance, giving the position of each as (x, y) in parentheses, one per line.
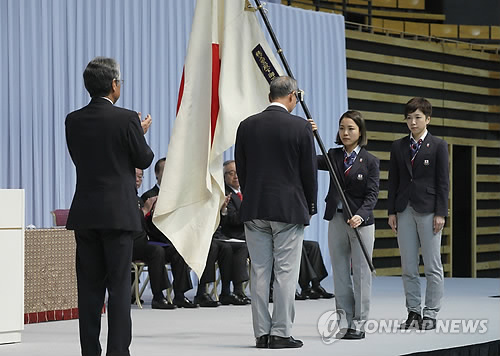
(99, 75)
(418, 103)
(281, 87)
(360, 122)
(157, 164)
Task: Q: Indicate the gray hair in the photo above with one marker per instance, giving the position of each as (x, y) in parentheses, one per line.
(99, 75)
(225, 164)
(281, 87)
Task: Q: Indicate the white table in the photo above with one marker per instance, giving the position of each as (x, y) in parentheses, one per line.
(11, 265)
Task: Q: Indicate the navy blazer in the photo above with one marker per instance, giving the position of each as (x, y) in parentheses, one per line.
(106, 144)
(360, 186)
(232, 226)
(424, 185)
(276, 165)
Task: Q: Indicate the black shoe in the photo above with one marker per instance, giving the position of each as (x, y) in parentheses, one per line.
(323, 293)
(243, 297)
(413, 322)
(262, 342)
(310, 293)
(162, 304)
(299, 296)
(185, 303)
(227, 299)
(205, 301)
(350, 334)
(428, 323)
(278, 342)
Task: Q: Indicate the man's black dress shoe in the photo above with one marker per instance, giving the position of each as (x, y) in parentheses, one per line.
(227, 299)
(299, 296)
(185, 303)
(205, 301)
(323, 293)
(310, 293)
(262, 342)
(350, 334)
(428, 323)
(243, 297)
(413, 322)
(162, 304)
(278, 342)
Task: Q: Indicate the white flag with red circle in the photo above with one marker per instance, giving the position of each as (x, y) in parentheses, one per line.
(226, 77)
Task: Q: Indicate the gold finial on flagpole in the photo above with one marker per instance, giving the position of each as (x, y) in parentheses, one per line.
(250, 7)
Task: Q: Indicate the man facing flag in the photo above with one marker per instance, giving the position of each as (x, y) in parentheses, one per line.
(226, 78)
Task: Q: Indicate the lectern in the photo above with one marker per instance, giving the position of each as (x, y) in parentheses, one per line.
(11, 265)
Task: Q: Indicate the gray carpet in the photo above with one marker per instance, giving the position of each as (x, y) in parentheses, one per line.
(227, 330)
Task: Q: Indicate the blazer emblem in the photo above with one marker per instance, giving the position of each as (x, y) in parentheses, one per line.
(360, 160)
(428, 145)
(360, 176)
(426, 162)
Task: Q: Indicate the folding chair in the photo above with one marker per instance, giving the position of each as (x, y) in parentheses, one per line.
(60, 216)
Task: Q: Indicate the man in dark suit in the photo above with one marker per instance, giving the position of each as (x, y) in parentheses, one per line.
(275, 160)
(312, 272)
(231, 228)
(417, 206)
(180, 270)
(153, 192)
(108, 140)
(153, 255)
(221, 252)
(182, 278)
(312, 269)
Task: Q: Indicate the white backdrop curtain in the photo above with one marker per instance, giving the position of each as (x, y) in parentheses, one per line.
(46, 44)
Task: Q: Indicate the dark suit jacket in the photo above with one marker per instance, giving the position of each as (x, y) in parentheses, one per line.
(153, 192)
(106, 144)
(276, 165)
(360, 186)
(232, 226)
(425, 184)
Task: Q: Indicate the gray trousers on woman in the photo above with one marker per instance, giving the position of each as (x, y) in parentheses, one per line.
(279, 243)
(351, 295)
(416, 230)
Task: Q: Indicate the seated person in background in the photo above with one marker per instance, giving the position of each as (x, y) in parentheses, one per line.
(235, 270)
(221, 252)
(230, 256)
(312, 269)
(180, 270)
(153, 192)
(152, 255)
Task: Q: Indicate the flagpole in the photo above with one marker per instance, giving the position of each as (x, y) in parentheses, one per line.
(333, 175)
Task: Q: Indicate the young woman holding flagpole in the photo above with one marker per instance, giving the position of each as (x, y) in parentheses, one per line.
(358, 173)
